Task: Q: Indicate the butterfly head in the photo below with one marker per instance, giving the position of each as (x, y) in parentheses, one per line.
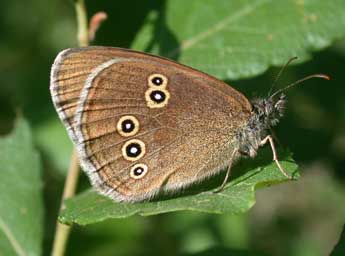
(267, 112)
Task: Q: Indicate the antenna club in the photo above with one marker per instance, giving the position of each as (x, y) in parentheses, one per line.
(326, 77)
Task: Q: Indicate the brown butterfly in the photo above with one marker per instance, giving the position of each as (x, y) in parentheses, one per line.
(144, 124)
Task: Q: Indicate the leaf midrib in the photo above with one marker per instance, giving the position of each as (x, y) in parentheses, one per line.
(11, 238)
(188, 43)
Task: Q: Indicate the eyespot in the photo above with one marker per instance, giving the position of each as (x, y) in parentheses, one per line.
(157, 80)
(138, 171)
(127, 126)
(157, 98)
(133, 150)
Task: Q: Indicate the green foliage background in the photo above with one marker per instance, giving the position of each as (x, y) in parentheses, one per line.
(305, 217)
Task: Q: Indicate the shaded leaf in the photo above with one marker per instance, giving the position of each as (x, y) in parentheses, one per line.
(238, 196)
(21, 205)
(339, 249)
(237, 39)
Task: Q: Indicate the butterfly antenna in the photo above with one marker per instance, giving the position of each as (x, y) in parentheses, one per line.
(280, 73)
(323, 76)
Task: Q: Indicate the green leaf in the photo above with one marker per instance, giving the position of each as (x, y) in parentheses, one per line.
(21, 204)
(240, 38)
(238, 196)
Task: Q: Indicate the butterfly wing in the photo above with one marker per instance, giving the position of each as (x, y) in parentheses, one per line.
(142, 123)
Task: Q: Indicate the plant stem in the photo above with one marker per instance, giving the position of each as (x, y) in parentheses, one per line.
(83, 34)
(62, 231)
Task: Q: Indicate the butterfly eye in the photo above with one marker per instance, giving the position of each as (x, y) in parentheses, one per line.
(157, 98)
(127, 126)
(138, 171)
(157, 80)
(133, 150)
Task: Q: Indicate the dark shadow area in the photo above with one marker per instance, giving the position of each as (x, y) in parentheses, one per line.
(339, 249)
(119, 30)
(125, 18)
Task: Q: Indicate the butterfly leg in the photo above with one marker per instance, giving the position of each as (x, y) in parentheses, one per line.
(269, 139)
(227, 175)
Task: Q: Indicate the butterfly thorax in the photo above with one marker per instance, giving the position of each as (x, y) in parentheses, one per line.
(265, 114)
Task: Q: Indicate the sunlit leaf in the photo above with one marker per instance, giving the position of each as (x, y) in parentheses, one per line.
(241, 38)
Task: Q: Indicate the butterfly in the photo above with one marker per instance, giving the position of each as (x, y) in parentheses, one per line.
(143, 124)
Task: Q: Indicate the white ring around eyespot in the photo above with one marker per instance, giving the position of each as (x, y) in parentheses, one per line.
(127, 134)
(142, 147)
(145, 168)
(151, 104)
(163, 85)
